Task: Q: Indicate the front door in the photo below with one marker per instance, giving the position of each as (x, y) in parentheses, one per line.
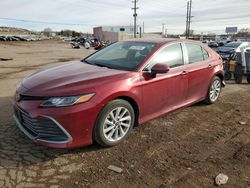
(168, 91)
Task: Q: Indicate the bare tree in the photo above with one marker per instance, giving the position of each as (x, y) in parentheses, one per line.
(47, 32)
(245, 32)
(191, 32)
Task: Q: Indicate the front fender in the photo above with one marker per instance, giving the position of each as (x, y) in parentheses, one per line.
(133, 96)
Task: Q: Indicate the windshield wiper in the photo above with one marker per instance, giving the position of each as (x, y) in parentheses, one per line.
(97, 64)
(86, 61)
(101, 65)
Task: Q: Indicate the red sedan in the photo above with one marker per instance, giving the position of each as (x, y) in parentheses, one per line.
(103, 96)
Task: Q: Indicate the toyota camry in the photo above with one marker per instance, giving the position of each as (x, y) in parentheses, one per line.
(102, 97)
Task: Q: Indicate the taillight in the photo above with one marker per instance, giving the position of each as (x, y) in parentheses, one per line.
(221, 62)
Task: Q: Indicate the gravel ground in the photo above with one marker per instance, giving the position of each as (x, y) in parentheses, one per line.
(186, 148)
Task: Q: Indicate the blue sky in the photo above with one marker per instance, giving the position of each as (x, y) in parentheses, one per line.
(209, 16)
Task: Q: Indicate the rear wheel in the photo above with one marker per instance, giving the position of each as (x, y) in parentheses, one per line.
(228, 75)
(213, 90)
(238, 78)
(114, 123)
(248, 78)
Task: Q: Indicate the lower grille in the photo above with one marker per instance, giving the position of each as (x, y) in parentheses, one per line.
(43, 129)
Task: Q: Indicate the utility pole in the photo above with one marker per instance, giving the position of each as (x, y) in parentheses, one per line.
(190, 16)
(143, 29)
(135, 16)
(187, 20)
(163, 28)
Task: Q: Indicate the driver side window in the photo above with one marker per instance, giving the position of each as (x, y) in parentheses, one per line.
(171, 55)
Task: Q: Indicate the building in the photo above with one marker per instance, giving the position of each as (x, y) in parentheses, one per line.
(113, 33)
(119, 29)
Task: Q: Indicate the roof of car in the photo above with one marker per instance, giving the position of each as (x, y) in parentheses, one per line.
(154, 40)
(162, 40)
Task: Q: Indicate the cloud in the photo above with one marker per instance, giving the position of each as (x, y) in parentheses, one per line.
(209, 16)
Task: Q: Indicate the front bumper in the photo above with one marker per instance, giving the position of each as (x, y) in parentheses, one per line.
(45, 130)
(223, 83)
(65, 127)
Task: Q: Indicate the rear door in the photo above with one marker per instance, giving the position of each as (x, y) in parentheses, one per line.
(200, 70)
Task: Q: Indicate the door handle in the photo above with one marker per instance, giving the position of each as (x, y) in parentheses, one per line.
(184, 73)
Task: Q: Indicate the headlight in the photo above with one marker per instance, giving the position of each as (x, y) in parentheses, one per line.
(66, 101)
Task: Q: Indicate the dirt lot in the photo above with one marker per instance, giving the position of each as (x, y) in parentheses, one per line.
(187, 148)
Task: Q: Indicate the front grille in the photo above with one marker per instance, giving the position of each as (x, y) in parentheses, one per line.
(43, 129)
(29, 98)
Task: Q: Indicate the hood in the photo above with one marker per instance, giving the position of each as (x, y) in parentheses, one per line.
(72, 78)
(226, 49)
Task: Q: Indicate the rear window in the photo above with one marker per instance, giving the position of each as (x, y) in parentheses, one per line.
(196, 53)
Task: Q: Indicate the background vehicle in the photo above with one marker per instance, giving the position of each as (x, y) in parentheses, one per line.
(229, 48)
(102, 97)
(237, 64)
(213, 44)
(100, 44)
(78, 42)
(229, 65)
(243, 63)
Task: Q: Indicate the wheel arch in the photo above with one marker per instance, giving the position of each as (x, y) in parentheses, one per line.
(134, 104)
(133, 99)
(221, 76)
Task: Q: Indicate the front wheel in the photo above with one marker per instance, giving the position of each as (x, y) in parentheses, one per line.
(114, 123)
(213, 91)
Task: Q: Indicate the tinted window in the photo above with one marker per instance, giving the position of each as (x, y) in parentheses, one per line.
(122, 55)
(195, 53)
(171, 55)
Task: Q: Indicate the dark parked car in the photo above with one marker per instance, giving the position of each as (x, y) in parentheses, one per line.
(103, 96)
(213, 44)
(229, 47)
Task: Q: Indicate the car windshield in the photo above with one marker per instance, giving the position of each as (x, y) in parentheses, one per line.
(126, 55)
(233, 44)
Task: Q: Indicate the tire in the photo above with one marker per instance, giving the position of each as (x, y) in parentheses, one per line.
(214, 90)
(248, 78)
(238, 78)
(110, 129)
(228, 75)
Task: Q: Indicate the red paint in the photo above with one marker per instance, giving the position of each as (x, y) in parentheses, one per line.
(154, 96)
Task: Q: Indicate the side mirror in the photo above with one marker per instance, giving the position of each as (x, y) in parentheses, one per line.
(159, 69)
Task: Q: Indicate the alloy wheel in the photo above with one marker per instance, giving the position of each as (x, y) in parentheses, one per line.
(215, 90)
(117, 124)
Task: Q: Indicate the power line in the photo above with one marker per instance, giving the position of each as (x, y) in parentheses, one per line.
(90, 4)
(44, 22)
(135, 16)
(225, 18)
(105, 3)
